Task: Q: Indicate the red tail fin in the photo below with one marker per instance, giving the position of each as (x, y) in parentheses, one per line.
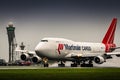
(109, 36)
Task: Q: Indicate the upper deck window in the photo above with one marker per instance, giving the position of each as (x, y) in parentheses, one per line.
(44, 40)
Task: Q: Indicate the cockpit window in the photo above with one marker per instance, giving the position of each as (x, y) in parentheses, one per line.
(44, 40)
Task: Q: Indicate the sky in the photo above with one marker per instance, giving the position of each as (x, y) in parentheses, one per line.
(78, 20)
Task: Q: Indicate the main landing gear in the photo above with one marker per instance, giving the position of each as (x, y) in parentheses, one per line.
(84, 63)
(74, 64)
(89, 64)
(62, 64)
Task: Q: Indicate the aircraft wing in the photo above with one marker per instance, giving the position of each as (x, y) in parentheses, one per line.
(113, 53)
(26, 51)
(77, 55)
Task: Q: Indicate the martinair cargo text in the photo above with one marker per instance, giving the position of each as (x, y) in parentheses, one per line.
(80, 53)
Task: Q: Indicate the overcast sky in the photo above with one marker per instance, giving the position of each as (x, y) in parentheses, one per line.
(78, 20)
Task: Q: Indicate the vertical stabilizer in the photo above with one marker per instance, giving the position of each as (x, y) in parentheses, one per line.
(109, 36)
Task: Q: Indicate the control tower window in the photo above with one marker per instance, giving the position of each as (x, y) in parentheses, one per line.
(44, 40)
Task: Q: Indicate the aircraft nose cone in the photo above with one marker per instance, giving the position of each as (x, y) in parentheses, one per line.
(40, 50)
(39, 47)
(45, 50)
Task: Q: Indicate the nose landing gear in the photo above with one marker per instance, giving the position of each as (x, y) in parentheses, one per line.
(45, 62)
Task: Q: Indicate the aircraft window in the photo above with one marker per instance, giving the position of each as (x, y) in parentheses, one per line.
(44, 40)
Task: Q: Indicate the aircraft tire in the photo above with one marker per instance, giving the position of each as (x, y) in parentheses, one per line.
(73, 65)
(61, 65)
(86, 65)
(46, 65)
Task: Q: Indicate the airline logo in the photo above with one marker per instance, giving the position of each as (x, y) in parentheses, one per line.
(60, 47)
(73, 47)
(108, 39)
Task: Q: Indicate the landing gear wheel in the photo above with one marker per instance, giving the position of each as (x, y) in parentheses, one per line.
(86, 65)
(82, 65)
(46, 65)
(61, 64)
(74, 65)
(90, 65)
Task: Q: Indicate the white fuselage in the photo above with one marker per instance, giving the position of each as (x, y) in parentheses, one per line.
(59, 48)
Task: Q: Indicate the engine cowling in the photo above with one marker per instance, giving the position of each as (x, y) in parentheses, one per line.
(36, 59)
(24, 56)
(99, 59)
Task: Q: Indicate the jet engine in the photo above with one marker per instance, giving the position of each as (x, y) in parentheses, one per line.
(24, 56)
(36, 59)
(99, 59)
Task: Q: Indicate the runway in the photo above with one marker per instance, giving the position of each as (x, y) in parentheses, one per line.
(52, 67)
(20, 67)
(111, 63)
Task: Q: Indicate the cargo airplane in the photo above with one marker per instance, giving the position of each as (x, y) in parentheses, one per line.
(80, 53)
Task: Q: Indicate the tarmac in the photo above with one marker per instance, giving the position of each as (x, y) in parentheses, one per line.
(51, 67)
(111, 63)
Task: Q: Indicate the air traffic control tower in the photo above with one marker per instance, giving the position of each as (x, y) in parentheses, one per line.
(22, 46)
(12, 41)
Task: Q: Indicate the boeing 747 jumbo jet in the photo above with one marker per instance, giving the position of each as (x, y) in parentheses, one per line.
(80, 53)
